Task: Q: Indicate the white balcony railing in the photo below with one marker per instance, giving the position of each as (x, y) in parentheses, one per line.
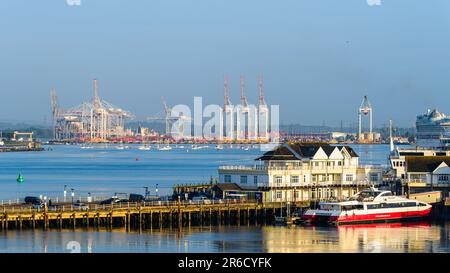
(243, 167)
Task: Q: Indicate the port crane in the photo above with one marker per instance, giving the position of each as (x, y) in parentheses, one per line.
(29, 134)
(168, 119)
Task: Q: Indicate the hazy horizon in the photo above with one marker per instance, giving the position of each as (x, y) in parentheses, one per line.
(318, 58)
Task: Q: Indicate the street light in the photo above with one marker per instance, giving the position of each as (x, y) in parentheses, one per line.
(72, 194)
(65, 192)
(156, 190)
(146, 192)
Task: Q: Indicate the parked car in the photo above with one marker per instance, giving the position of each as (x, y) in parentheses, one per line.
(109, 201)
(134, 197)
(54, 207)
(80, 206)
(32, 200)
(38, 206)
(201, 199)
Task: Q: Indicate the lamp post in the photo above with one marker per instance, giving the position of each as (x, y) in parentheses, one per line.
(146, 192)
(72, 194)
(156, 190)
(65, 192)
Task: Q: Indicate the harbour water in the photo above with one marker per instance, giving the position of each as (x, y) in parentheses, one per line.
(376, 238)
(105, 170)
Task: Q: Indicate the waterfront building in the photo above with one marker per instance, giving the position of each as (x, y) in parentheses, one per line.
(433, 129)
(398, 158)
(303, 172)
(427, 173)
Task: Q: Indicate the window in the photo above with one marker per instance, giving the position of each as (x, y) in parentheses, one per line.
(339, 163)
(443, 178)
(227, 178)
(352, 207)
(243, 179)
(279, 195)
(373, 177)
(314, 178)
(304, 178)
(278, 180)
(386, 194)
(294, 179)
(255, 179)
(349, 177)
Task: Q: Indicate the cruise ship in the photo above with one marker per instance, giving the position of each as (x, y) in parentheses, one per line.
(433, 129)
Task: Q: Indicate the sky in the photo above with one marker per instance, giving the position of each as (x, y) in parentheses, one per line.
(318, 57)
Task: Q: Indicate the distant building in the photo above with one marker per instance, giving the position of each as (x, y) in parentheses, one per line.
(424, 173)
(433, 129)
(304, 171)
(398, 158)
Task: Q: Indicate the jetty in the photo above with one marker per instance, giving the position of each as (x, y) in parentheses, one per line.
(142, 215)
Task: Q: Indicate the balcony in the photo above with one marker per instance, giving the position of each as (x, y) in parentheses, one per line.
(321, 184)
(417, 183)
(243, 168)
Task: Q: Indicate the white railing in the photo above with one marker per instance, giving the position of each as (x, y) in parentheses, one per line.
(321, 183)
(244, 167)
(119, 206)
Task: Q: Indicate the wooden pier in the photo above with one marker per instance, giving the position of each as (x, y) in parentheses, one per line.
(145, 215)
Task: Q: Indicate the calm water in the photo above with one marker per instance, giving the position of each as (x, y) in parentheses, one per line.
(103, 171)
(417, 237)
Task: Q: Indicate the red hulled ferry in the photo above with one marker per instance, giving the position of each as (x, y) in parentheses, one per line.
(368, 206)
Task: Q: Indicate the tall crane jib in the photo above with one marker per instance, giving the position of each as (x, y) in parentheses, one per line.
(95, 121)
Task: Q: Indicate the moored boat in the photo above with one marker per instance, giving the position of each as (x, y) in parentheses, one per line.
(368, 206)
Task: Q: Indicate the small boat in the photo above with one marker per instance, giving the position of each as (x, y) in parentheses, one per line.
(219, 147)
(122, 147)
(165, 148)
(144, 148)
(195, 147)
(86, 147)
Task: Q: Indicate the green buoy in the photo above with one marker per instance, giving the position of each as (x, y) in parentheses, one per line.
(20, 178)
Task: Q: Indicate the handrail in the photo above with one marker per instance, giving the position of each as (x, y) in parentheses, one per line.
(121, 206)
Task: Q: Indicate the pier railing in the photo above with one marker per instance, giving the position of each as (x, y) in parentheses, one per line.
(20, 208)
(57, 199)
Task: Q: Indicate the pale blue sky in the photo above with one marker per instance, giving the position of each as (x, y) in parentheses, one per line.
(318, 57)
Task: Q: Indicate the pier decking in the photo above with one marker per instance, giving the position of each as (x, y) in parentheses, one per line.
(144, 215)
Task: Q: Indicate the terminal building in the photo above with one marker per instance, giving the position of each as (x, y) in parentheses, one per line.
(304, 172)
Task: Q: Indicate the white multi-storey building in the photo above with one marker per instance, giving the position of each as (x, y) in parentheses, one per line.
(304, 171)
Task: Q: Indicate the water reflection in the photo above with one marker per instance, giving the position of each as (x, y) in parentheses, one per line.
(413, 237)
(398, 237)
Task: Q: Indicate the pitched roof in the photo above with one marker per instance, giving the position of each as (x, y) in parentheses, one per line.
(228, 187)
(299, 150)
(234, 187)
(425, 163)
(349, 150)
(279, 153)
